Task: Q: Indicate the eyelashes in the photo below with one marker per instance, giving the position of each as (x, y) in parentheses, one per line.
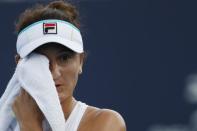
(64, 57)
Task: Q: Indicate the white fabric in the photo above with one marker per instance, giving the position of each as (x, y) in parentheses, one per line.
(74, 119)
(32, 73)
(63, 33)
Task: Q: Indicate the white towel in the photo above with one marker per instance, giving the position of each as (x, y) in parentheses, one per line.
(32, 73)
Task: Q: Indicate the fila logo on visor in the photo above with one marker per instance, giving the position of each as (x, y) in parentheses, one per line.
(50, 28)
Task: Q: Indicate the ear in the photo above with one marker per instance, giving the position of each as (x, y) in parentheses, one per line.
(17, 58)
(82, 59)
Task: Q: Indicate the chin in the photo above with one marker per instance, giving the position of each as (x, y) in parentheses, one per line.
(62, 97)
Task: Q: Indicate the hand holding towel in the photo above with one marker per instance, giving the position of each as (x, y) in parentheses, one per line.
(32, 73)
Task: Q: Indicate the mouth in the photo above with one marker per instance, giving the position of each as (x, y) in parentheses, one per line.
(58, 87)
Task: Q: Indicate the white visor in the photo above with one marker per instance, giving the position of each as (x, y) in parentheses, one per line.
(46, 31)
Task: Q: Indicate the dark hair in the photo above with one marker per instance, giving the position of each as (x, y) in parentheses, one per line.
(58, 9)
(54, 10)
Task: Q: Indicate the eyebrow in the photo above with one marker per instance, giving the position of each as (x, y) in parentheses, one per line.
(65, 51)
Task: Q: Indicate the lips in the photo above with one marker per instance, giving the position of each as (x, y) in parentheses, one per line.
(58, 87)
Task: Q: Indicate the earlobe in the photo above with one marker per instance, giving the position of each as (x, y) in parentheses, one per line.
(80, 70)
(17, 58)
(82, 58)
(81, 63)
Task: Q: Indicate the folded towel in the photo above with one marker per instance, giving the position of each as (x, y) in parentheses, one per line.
(33, 75)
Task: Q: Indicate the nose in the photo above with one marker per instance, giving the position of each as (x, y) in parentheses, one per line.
(55, 70)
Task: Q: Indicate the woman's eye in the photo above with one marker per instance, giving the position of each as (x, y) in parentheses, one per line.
(64, 57)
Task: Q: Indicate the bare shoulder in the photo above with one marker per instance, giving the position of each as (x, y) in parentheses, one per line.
(111, 119)
(97, 119)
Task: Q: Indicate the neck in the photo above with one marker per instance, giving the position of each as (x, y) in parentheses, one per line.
(68, 105)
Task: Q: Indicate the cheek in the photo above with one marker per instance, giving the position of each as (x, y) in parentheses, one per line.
(70, 75)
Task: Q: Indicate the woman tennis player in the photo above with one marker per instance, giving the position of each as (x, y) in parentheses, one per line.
(66, 62)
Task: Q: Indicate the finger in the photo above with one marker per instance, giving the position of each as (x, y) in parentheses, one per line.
(14, 104)
(27, 95)
(23, 95)
(22, 92)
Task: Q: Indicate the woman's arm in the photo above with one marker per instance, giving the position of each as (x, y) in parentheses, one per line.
(27, 112)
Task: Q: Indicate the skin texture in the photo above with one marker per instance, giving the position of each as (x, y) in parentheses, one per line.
(65, 67)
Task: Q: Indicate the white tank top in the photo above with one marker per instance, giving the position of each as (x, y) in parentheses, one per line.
(73, 120)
